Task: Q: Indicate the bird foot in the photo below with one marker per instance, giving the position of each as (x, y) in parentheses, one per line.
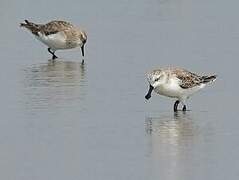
(54, 57)
(184, 108)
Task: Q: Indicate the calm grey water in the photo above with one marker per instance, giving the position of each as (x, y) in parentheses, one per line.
(63, 120)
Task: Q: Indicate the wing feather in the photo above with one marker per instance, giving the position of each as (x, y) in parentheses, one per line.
(187, 79)
(54, 27)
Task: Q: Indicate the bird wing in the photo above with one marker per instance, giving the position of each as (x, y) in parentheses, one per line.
(54, 27)
(187, 79)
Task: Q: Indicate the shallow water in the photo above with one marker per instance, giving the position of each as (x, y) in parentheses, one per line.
(64, 120)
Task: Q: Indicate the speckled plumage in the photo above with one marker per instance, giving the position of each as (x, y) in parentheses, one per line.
(176, 83)
(57, 35)
(187, 78)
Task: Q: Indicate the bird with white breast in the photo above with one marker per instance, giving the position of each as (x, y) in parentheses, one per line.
(57, 35)
(176, 83)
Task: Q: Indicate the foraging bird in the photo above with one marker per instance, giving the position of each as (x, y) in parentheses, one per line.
(57, 35)
(176, 83)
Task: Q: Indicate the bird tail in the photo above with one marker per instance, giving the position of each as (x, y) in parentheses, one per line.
(207, 79)
(34, 28)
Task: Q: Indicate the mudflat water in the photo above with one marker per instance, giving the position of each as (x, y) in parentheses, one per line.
(63, 120)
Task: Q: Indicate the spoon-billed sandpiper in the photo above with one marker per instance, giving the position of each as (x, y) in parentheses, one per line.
(57, 35)
(176, 83)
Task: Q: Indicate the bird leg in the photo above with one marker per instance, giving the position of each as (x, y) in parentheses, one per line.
(82, 62)
(175, 107)
(184, 108)
(53, 53)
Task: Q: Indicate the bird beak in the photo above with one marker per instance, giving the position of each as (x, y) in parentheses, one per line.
(148, 95)
(82, 50)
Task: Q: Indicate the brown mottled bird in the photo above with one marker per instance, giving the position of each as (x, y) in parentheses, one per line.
(176, 83)
(57, 35)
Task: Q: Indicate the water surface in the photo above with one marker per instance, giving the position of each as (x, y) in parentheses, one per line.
(64, 120)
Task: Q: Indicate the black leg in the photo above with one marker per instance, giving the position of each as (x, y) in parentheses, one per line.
(184, 108)
(49, 50)
(53, 54)
(175, 107)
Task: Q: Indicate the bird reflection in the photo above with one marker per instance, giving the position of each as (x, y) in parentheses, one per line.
(55, 73)
(55, 84)
(179, 124)
(170, 138)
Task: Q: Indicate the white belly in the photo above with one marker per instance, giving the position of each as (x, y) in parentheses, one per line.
(175, 91)
(167, 90)
(54, 41)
